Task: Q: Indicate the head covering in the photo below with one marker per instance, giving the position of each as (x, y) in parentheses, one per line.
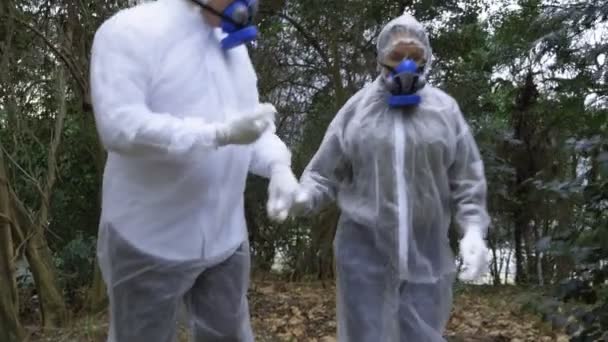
(406, 29)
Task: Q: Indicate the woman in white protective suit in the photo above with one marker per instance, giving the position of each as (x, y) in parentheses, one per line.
(176, 106)
(401, 161)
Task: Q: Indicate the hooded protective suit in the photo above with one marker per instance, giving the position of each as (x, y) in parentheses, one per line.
(398, 175)
(167, 102)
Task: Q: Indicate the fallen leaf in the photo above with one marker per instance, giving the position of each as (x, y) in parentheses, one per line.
(328, 339)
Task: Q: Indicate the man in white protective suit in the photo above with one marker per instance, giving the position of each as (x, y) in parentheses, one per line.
(176, 106)
(401, 162)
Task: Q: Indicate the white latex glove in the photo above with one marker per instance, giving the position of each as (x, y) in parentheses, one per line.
(474, 254)
(247, 129)
(301, 203)
(281, 192)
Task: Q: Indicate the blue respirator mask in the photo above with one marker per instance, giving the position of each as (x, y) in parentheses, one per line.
(237, 21)
(403, 82)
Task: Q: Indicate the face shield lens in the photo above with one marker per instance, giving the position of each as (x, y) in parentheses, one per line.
(402, 47)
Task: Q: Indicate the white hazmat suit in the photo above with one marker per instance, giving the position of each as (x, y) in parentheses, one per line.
(398, 175)
(180, 119)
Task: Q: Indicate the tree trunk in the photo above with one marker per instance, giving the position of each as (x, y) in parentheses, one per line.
(496, 265)
(529, 246)
(539, 269)
(40, 259)
(500, 268)
(327, 225)
(522, 157)
(508, 266)
(37, 251)
(264, 247)
(520, 270)
(496, 258)
(97, 299)
(10, 327)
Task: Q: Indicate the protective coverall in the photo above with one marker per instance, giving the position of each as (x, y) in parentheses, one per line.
(398, 175)
(167, 102)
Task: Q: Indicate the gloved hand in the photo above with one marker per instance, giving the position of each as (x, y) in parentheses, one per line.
(301, 203)
(281, 192)
(247, 129)
(474, 254)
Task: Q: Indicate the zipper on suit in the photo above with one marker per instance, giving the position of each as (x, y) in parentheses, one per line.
(402, 205)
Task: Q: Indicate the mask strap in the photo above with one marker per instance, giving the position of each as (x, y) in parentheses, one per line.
(217, 13)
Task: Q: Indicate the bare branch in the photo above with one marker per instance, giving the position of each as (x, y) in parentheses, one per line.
(67, 60)
(22, 214)
(309, 38)
(25, 173)
(51, 175)
(5, 219)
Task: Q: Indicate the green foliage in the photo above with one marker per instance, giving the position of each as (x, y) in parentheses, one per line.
(75, 264)
(589, 248)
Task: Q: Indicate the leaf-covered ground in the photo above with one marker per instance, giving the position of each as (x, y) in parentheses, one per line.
(306, 312)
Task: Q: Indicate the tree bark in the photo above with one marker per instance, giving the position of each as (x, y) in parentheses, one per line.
(530, 248)
(324, 236)
(539, 269)
(10, 326)
(520, 270)
(97, 299)
(40, 259)
(522, 157)
(496, 263)
(508, 266)
(52, 304)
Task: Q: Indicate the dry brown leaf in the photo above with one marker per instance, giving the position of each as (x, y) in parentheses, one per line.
(328, 339)
(295, 321)
(297, 332)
